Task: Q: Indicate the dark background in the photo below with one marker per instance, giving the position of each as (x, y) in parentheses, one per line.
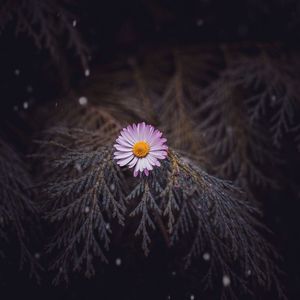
(115, 27)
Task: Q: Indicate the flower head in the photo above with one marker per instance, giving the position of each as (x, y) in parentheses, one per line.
(140, 146)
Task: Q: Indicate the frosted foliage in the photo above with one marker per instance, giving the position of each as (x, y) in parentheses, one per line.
(242, 149)
(241, 116)
(271, 80)
(82, 204)
(209, 111)
(45, 22)
(178, 200)
(16, 205)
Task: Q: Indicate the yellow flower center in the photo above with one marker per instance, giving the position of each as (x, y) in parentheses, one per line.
(141, 149)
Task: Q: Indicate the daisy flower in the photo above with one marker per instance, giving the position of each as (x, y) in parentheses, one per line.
(140, 147)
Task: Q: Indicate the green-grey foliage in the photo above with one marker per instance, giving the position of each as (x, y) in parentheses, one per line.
(87, 191)
(16, 206)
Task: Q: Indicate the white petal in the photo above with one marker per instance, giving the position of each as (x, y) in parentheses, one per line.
(142, 165)
(126, 137)
(122, 155)
(131, 132)
(137, 166)
(125, 161)
(122, 148)
(143, 131)
(149, 133)
(148, 164)
(134, 128)
(159, 147)
(133, 162)
(153, 160)
(121, 152)
(155, 137)
(124, 142)
(159, 154)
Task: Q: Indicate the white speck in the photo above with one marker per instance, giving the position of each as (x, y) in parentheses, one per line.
(229, 129)
(273, 99)
(16, 108)
(74, 23)
(206, 256)
(226, 280)
(78, 167)
(107, 226)
(29, 89)
(169, 297)
(248, 273)
(186, 160)
(60, 269)
(118, 262)
(112, 187)
(173, 273)
(86, 209)
(87, 73)
(199, 22)
(25, 105)
(56, 104)
(192, 297)
(83, 101)
(17, 72)
(37, 255)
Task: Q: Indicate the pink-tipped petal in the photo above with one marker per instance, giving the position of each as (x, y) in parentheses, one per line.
(154, 161)
(141, 132)
(159, 154)
(124, 142)
(125, 161)
(125, 136)
(148, 165)
(137, 166)
(122, 155)
(131, 133)
(133, 162)
(159, 147)
(122, 148)
(142, 164)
